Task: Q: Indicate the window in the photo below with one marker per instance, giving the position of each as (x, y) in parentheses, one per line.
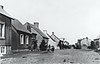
(21, 39)
(27, 39)
(3, 49)
(2, 30)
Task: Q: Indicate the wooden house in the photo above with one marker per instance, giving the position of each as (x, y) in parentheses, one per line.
(5, 32)
(21, 37)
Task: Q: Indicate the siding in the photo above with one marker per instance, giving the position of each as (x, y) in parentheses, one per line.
(7, 40)
(15, 39)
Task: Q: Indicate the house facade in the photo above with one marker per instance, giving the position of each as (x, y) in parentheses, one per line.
(51, 41)
(97, 42)
(5, 32)
(83, 43)
(54, 37)
(34, 28)
(21, 37)
(16, 36)
(86, 41)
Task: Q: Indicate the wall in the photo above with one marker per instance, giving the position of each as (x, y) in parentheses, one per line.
(15, 39)
(7, 40)
(39, 38)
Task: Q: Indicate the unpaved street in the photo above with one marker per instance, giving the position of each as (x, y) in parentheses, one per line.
(70, 56)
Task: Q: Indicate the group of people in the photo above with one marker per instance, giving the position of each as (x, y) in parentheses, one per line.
(33, 45)
(63, 45)
(43, 46)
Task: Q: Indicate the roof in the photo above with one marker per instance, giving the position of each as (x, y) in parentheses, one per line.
(18, 25)
(98, 37)
(51, 37)
(30, 30)
(38, 30)
(2, 11)
(56, 37)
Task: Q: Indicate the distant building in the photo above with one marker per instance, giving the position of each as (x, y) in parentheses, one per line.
(51, 41)
(83, 43)
(66, 43)
(54, 37)
(97, 41)
(86, 41)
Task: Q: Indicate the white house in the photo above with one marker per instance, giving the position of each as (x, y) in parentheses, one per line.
(51, 41)
(85, 42)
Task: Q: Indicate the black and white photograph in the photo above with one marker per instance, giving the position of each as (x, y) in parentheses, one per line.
(49, 31)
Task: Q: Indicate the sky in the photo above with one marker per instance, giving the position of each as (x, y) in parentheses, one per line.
(69, 19)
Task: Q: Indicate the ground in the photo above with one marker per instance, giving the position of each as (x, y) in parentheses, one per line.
(69, 56)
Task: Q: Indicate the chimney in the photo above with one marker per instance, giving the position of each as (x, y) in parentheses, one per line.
(45, 31)
(36, 24)
(52, 33)
(1, 6)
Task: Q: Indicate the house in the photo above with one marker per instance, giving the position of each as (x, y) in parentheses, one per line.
(54, 37)
(21, 37)
(5, 32)
(78, 44)
(85, 42)
(97, 41)
(51, 41)
(34, 28)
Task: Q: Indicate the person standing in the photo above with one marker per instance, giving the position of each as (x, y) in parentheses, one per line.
(43, 46)
(60, 44)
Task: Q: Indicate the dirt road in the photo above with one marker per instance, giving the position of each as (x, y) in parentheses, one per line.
(69, 56)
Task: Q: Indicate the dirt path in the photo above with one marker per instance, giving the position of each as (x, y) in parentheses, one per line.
(70, 56)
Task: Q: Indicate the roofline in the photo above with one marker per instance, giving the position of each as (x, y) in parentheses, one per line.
(96, 38)
(51, 37)
(37, 31)
(7, 16)
(56, 37)
(20, 30)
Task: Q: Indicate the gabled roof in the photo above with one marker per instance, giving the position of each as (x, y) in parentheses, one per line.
(18, 25)
(97, 39)
(29, 29)
(56, 36)
(51, 37)
(38, 30)
(2, 11)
